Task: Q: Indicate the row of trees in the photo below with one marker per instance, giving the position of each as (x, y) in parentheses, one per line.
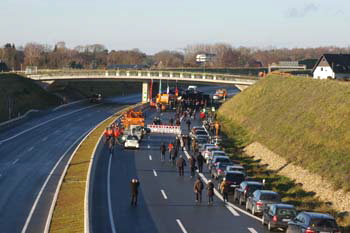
(97, 56)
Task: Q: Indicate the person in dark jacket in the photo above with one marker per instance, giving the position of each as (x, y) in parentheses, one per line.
(188, 122)
(180, 164)
(200, 162)
(162, 151)
(225, 188)
(210, 192)
(134, 191)
(174, 156)
(192, 162)
(198, 188)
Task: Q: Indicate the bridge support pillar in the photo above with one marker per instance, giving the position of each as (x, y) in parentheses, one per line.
(145, 90)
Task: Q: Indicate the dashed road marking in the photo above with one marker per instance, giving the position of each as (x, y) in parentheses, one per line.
(30, 149)
(14, 162)
(44, 139)
(181, 226)
(252, 230)
(232, 210)
(155, 173)
(150, 157)
(164, 195)
(149, 147)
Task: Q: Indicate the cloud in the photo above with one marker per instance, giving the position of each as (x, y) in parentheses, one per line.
(302, 12)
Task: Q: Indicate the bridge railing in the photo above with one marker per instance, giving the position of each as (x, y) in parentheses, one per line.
(178, 75)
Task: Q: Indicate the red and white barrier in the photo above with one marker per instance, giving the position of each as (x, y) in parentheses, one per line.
(164, 129)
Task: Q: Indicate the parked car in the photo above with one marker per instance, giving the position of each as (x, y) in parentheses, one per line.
(234, 178)
(245, 190)
(207, 152)
(198, 133)
(213, 154)
(277, 216)
(205, 146)
(201, 140)
(261, 199)
(235, 167)
(218, 171)
(219, 159)
(311, 222)
(131, 142)
(195, 128)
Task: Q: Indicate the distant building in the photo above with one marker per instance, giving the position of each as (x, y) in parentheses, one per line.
(310, 63)
(286, 66)
(332, 66)
(127, 67)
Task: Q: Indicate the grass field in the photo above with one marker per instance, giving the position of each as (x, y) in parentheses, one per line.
(24, 95)
(304, 120)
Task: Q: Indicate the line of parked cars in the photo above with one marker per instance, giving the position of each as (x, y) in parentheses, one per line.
(268, 204)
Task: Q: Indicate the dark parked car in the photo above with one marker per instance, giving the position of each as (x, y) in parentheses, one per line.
(219, 170)
(260, 199)
(245, 190)
(310, 222)
(278, 216)
(234, 178)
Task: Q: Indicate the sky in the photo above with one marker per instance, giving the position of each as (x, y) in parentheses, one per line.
(155, 25)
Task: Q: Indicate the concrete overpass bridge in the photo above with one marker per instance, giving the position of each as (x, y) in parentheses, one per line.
(145, 76)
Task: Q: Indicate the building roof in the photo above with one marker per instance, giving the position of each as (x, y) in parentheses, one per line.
(340, 63)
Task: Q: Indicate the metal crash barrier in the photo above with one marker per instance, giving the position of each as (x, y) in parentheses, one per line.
(164, 129)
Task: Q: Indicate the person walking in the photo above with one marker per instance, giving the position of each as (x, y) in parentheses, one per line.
(174, 156)
(134, 191)
(170, 149)
(171, 121)
(181, 163)
(189, 142)
(198, 188)
(200, 162)
(188, 122)
(162, 152)
(224, 188)
(192, 162)
(210, 192)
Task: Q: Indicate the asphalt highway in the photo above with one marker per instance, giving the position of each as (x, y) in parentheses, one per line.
(33, 156)
(166, 200)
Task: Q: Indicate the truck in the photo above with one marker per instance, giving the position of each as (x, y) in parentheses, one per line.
(133, 123)
(220, 94)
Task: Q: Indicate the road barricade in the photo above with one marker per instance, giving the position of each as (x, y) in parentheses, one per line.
(171, 129)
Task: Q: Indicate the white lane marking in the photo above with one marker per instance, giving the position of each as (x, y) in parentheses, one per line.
(232, 210)
(252, 230)
(24, 229)
(181, 226)
(14, 162)
(79, 119)
(163, 193)
(30, 149)
(44, 139)
(110, 211)
(150, 157)
(45, 122)
(57, 131)
(148, 146)
(154, 172)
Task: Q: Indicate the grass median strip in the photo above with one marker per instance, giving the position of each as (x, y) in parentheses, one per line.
(68, 215)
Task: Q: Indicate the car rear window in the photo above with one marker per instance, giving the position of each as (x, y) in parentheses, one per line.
(201, 132)
(323, 222)
(270, 197)
(286, 212)
(235, 177)
(222, 160)
(252, 188)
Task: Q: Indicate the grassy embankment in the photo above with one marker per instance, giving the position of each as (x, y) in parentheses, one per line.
(303, 120)
(24, 95)
(68, 214)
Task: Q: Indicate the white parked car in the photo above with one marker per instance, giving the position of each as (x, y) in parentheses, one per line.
(131, 142)
(232, 168)
(207, 153)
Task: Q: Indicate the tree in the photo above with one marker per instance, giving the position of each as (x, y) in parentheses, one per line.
(169, 58)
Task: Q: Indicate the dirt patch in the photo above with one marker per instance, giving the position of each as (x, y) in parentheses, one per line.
(311, 182)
